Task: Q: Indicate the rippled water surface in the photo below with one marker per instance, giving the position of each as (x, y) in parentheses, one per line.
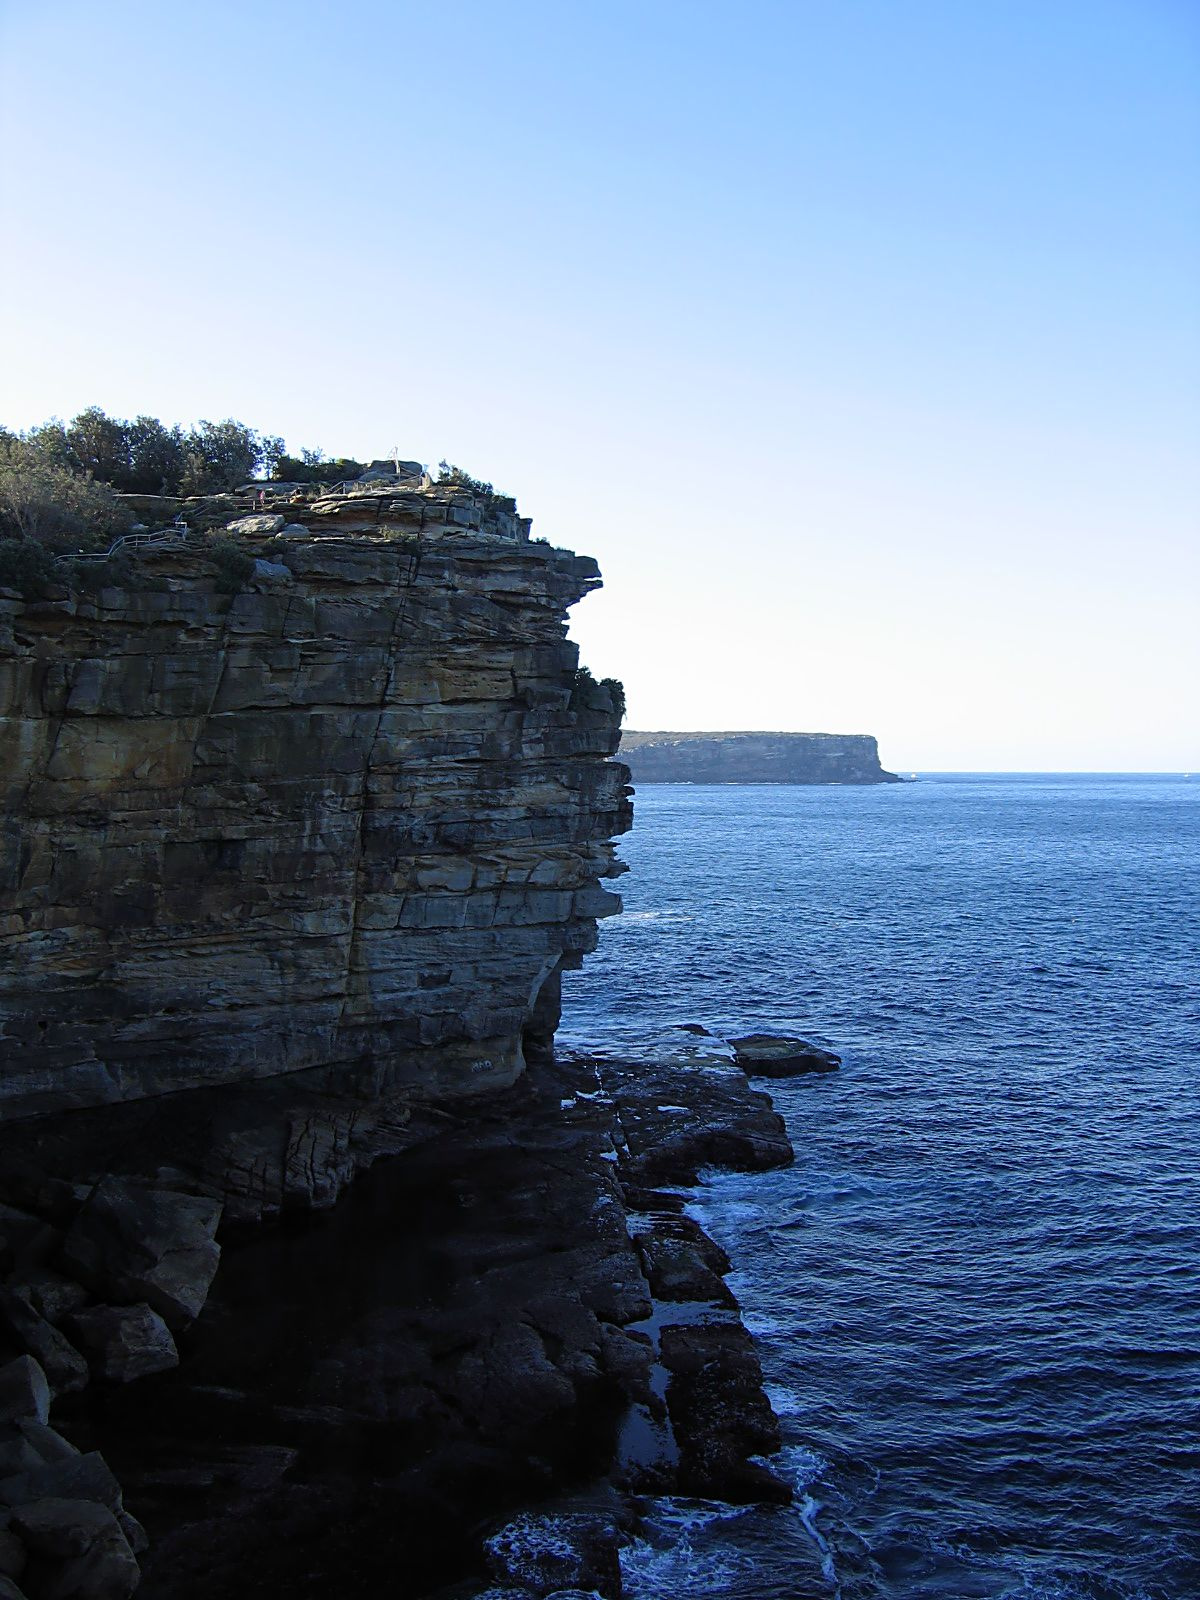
(977, 1292)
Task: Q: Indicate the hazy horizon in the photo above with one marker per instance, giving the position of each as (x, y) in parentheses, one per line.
(859, 344)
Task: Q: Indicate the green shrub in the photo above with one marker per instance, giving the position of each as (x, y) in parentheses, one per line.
(233, 562)
(585, 682)
(310, 466)
(49, 503)
(458, 479)
(617, 690)
(27, 567)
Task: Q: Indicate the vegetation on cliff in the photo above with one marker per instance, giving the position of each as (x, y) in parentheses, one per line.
(68, 489)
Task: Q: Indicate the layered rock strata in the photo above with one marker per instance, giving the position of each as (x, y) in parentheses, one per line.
(851, 758)
(349, 819)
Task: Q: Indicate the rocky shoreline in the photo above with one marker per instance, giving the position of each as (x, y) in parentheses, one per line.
(458, 1380)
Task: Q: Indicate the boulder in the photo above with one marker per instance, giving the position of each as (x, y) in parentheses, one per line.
(78, 1477)
(77, 1551)
(134, 1243)
(124, 1342)
(26, 1446)
(49, 1445)
(50, 1293)
(261, 523)
(8, 1589)
(272, 569)
(24, 1391)
(770, 1055)
(18, 1457)
(64, 1367)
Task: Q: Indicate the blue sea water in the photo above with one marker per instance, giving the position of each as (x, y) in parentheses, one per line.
(977, 1291)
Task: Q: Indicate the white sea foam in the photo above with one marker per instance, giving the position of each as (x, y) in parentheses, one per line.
(784, 1402)
(672, 1562)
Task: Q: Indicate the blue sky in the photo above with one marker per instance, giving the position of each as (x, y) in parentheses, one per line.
(858, 341)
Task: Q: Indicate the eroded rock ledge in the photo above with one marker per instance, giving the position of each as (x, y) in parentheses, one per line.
(472, 1363)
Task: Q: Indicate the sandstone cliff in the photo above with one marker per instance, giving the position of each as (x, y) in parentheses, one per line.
(753, 758)
(350, 818)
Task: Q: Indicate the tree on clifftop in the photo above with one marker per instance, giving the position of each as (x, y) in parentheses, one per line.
(221, 455)
(48, 503)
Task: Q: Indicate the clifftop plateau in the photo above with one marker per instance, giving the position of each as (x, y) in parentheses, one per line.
(753, 758)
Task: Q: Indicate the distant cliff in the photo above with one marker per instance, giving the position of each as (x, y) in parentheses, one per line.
(753, 758)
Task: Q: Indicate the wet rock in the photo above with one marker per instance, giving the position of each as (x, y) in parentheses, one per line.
(677, 1271)
(549, 1553)
(64, 1367)
(720, 1413)
(628, 1356)
(694, 1110)
(124, 1342)
(769, 1055)
(139, 1244)
(24, 1391)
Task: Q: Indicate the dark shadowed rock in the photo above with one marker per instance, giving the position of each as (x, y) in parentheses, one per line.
(24, 1184)
(24, 1391)
(48, 1443)
(124, 1342)
(769, 1055)
(74, 1477)
(138, 1244)
(77, 1551)
(720, 1413)
(689, 1111)
(64, 1367)
(677, 1271)
(50, 1293)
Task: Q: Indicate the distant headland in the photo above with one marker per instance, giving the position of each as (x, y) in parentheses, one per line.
(753, 758)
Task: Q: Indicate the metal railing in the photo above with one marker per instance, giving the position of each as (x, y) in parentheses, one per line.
(158, 538)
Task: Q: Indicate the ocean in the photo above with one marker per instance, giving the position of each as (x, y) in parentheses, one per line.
(977, 1291)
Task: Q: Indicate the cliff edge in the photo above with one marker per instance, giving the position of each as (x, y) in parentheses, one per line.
(332, 800)
(753, 758)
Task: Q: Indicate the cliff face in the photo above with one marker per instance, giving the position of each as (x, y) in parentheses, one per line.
(753, 758)
(352, 817)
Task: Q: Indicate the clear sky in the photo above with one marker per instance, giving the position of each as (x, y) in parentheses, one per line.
(858, 339)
